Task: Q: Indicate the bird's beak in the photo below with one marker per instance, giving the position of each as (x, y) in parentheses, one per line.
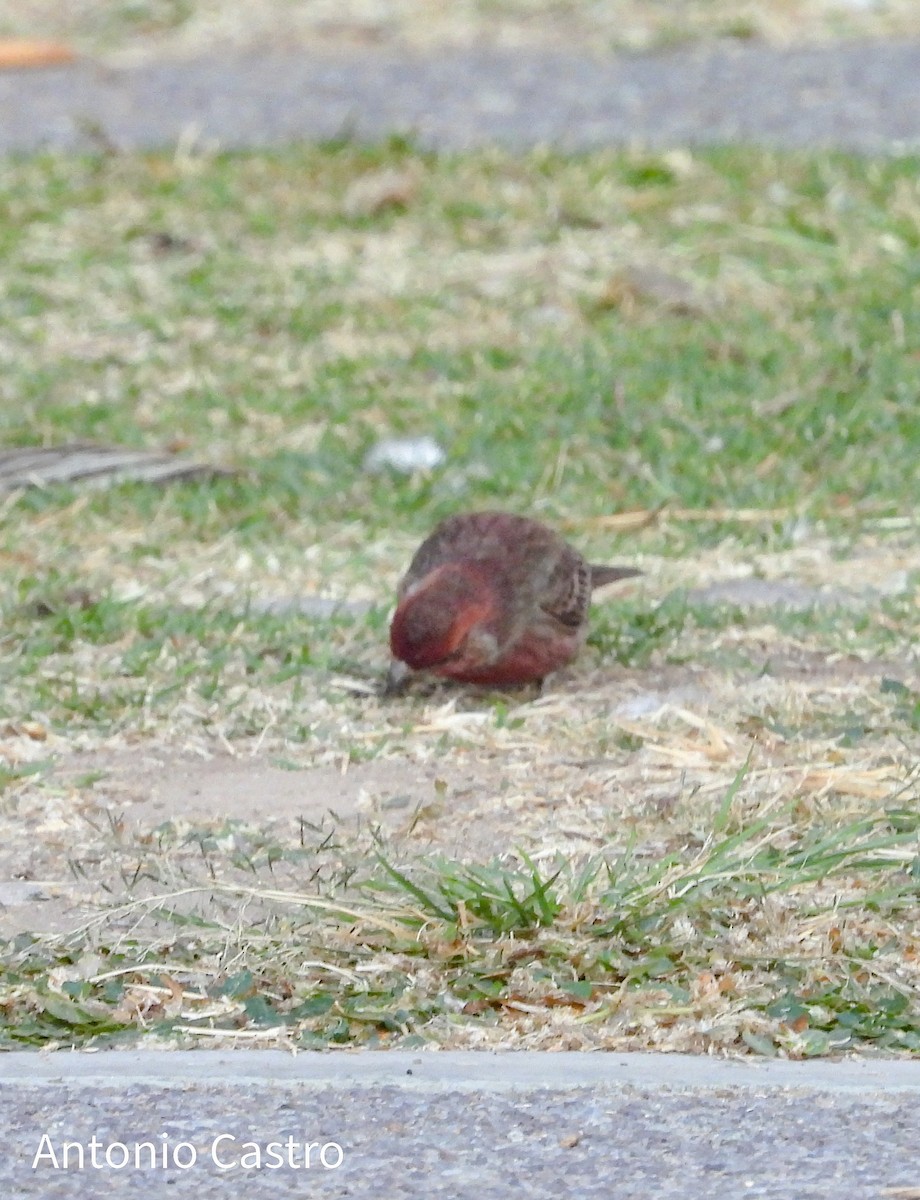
(396, 679)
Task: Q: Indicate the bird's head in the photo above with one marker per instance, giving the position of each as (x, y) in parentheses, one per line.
(434, 619)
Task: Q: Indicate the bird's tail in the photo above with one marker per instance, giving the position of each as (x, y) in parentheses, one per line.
(603, 575)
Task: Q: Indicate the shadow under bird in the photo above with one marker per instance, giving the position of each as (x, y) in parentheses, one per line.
(493, 598)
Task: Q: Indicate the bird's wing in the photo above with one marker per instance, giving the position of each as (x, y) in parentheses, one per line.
(492, 537)
(432, 553)
(567, 593)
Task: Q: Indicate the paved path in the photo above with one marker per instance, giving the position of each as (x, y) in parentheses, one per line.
(460, 1125)
(863, 96)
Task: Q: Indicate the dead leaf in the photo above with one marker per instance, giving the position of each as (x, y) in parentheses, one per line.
(373, 194)
(94, 466)
(71, 600)
(635, 285)
(475, 1008)
(23, 52)
(173, 1006)
(563, 1001)
(137, 1006)
(874, 784)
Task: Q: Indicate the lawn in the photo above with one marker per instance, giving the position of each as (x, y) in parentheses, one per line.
(703, 835)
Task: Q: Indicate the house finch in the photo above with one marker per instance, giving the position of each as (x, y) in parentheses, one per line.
(493, 598)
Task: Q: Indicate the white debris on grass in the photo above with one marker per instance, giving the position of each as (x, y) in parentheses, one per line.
(404, 455)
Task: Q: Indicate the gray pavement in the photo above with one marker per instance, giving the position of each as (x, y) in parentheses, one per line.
(857, 96)
(456, 1124)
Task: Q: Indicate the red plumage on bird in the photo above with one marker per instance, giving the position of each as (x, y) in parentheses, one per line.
(494, 598)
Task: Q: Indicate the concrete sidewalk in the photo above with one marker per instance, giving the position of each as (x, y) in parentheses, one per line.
(457, 1124)
(449, 1070)
(855, 96)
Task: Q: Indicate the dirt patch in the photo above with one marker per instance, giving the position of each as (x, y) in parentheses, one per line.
(76, 840)
(646, 751)
(155, 785)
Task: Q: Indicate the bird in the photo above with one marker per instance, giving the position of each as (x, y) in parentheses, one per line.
(493, 598)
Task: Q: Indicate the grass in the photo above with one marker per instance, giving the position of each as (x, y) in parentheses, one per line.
(277, 322)
(701, 836)
(764, 939)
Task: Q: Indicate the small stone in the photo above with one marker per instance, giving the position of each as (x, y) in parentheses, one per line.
(404, 455)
